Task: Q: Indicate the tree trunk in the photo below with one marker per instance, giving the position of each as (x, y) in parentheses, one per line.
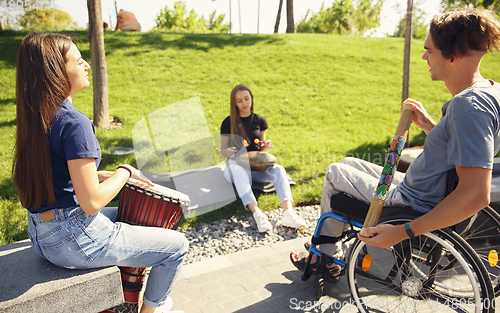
(98, 58)
(278, 18)
(1, 25)
(406, 62)
(290, 25)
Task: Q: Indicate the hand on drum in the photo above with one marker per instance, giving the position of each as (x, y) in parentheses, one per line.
(143, 181)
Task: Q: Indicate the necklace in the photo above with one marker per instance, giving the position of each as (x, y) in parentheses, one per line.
(475, 82)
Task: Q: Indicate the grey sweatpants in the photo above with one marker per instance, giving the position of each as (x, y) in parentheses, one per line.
(359, 179)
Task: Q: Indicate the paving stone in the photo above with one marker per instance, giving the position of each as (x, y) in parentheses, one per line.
(232, 305)
(280, 267)
(199, 303)
(244, 277)
(220, 296)
(252, 286)
(179, 299)
(232, 270)
(250, 299)
(259, 280)
(207, 277)
(250, 254)
(259, 273)
(211, 287)
(228, 283)
(264, 306)
(213, 309)
(246, 266)
(264, 261)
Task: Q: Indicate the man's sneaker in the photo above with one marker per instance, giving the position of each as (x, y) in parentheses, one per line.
(291, 219)
(262, 222)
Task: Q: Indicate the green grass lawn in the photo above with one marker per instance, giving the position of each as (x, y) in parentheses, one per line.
(324, 97)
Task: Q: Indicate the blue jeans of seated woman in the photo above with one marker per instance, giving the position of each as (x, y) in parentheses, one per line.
(243, 183)
(77, 240)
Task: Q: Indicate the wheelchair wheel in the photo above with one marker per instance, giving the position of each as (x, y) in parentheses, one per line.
(435, 272)
(480, 232)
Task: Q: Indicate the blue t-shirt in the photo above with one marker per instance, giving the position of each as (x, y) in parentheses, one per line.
(467, 135)
(72, 136)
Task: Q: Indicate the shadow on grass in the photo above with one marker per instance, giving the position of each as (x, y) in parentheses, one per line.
(371, 152)
(8, 101)
(10, 41)
(13, 223)
(201, 42)
(8, 123)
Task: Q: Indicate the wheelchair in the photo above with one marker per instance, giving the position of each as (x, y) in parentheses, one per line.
(447, 270)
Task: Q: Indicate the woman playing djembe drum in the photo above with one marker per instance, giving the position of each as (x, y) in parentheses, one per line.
(250, 130)
(55, 171)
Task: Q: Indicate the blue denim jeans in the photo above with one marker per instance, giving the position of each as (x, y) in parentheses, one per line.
(77, 240)
(243, 183)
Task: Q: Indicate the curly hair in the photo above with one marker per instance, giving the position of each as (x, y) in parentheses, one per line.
(456, 33)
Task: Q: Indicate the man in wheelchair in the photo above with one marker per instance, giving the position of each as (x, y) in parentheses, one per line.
(465, 139)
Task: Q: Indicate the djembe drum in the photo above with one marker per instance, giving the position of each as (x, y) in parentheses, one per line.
(156, 206)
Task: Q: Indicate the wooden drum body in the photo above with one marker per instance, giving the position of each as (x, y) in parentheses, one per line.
(157, 206)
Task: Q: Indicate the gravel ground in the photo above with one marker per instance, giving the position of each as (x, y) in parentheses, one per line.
(238, 233)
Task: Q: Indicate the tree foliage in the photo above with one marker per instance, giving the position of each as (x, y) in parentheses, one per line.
(366, 15)
(487, 4)
(176, 21)
(47, 20)
(419, 28)
(343, 17)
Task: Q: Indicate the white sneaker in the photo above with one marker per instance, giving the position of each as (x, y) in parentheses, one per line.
(165, 308)
(291, 219)
(263, 224)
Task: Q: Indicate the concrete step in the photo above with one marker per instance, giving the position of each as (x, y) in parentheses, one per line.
(33, 284)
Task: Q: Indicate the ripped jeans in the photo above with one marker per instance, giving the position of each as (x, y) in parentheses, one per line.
(77, 240)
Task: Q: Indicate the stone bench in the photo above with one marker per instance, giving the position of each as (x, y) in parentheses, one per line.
(32, 284)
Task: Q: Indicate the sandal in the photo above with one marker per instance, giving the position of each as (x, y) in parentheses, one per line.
(307, 245)
(332, 273)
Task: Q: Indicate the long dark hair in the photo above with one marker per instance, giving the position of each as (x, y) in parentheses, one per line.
(42, 84)
(236, 123)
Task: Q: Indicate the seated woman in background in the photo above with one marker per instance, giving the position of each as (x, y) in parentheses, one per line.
(251, 128)
(55, 170)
